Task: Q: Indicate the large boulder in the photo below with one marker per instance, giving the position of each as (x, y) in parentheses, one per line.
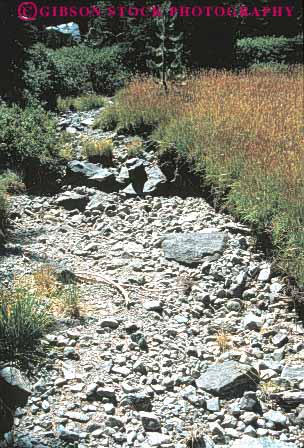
(92, 175)
(15, 390)
(156, 181)
(193, 248)
(229, 379)
(143, 177)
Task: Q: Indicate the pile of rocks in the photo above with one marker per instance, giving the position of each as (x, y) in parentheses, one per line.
(208, 352)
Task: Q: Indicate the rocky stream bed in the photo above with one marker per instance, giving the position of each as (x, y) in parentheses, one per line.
(200, 350)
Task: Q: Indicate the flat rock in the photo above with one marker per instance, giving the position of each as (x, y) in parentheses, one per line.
(262, 442)
(293, 373)
(192, 248)
(71, 201)
(228, 380)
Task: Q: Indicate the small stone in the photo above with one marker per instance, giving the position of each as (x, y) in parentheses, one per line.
(280, 339)
(253, 322)
(157, 438)
(109, 323)
(138, 401)
(276, 417)
(114, 422)
(150, 421)
(262, 442)
(77, 416)
(213, 404)
(68, 436)
(153, 305)
(265, 274)
(45, 405)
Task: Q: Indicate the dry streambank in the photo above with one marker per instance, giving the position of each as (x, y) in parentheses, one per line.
(207, 352)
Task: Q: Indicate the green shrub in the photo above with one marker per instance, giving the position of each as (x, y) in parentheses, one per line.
(29, 142)
(72, 71)
(269, 49)
(107, 119)
(23, 320)
(80, 103)
(25, 134)
(11, 182)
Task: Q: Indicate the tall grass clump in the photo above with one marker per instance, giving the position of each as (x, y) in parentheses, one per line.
(80, 103)
(243, 132)
(98, 151)
(23, 320)
(29, 308)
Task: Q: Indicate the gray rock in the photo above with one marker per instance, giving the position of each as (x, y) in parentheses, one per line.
(293, 373)
(100, 201)
(138, 401)
(150, 421)
(280, 339)
(123, 178)
(276, 417)
(114, 422)
(213, 404)
(265, 274)
(155, 182)
(109, 323)
(15, 388)
(153, 305)
(68, 436)
(253, 322)
(228, 380)
(70, 201)
(157, 439)
(262, 442)
(92, 175)
(77, 416)
(192, 248)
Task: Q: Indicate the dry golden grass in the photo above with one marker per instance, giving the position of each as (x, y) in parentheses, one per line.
(223, 339)
(245, 131)
(98, 151)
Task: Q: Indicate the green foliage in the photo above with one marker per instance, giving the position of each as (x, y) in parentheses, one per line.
(72, 71)
(23, 320)
(27, 134)
(166, 56)
(269, 49)
(80, 103)
(69, 301)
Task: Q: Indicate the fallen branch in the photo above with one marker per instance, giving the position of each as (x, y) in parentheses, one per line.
(104, 279)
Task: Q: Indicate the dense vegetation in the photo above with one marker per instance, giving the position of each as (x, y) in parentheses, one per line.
(243, 133)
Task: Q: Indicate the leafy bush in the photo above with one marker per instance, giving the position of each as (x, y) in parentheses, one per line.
(80, 103)
(28, 133)
(99, 151)
(269, 49)
(29, 141)
(72, 71)
(243, 133)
